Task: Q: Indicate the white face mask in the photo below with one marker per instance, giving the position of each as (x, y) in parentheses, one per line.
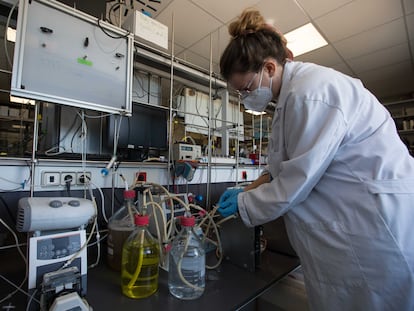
(258, 99)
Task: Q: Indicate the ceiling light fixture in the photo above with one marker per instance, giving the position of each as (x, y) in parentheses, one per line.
(255, 113)
(304, 39)
(11, 34)
(21, 100)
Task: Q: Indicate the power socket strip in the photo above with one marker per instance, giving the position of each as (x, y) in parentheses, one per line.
(76, 178)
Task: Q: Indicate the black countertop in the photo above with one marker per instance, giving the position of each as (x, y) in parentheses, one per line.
(228, 287)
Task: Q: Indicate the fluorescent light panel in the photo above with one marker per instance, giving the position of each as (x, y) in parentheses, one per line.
(11, 34)
(304, 39)
(21, 100)
(255, 113)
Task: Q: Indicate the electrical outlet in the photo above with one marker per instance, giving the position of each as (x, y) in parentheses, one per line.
(81, 177)
(141, 176)
(50, 179)
(66, 177)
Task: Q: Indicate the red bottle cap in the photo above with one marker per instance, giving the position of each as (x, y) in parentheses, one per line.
(188, 221)
(129, 194)
(141, 220)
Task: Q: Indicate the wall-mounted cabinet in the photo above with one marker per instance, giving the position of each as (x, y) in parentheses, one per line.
(403, 114)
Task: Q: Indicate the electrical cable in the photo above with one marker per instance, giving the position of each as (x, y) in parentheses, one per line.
(98, 241)
(75, 255)
(84, 131)
(12, 246)
(30, 300)
(184, 139)
(74, 136)
(141, 85)
(198, 112)
(16, 240)
(110, 35)
(57, 145)
(24, 259)
(22, 184)
(102, 201)
(10, 181)
(19, 288)
(6, 51)
(86, 179)
(99, 44)
(99, 117)
(112, 8)
(10, 190)
(98, 246)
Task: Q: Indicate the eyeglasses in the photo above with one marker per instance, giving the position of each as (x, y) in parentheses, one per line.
(246, 91)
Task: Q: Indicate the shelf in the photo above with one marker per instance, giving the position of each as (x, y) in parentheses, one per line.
(403, 117)
(5, 118)
(401, 102)
(406, 131)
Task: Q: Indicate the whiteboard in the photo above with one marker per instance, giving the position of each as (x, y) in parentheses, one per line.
(64, 56)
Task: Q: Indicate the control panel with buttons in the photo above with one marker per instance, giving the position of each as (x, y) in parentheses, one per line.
(58, 247)
(50, 252)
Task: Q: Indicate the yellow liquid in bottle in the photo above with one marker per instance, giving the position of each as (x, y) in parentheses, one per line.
(147, 279)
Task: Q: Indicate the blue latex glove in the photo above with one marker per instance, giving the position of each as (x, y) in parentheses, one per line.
(228, 202)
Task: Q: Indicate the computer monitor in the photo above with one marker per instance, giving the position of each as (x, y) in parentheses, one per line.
(145, 129)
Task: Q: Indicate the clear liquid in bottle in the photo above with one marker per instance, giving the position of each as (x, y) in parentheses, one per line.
(186, 272)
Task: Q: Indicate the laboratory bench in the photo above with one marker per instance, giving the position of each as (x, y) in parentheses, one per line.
(229, 287)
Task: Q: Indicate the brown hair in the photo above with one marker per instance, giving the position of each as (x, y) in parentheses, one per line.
(252, 42)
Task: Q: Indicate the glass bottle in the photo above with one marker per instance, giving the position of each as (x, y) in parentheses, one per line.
(186, 273)
(140, 260)
(120, 226)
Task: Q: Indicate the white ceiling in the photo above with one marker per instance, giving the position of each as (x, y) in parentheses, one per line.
(372, 40)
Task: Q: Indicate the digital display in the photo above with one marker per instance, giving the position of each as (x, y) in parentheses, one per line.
(186, 148)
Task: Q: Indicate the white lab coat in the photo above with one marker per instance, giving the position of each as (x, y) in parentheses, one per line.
(344, 181)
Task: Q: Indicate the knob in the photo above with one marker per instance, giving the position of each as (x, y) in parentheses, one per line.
(55, 203)
(74, 203)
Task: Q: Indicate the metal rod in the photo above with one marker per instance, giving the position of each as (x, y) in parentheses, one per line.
(210, 112)
(260, 140)
(34, 148)
(237, 142)
(170, 123)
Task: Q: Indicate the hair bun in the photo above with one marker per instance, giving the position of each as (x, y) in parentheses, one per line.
(248, 22)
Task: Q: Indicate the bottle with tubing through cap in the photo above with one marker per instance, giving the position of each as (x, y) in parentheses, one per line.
(140, 260)
(120, 226)
(186, 273)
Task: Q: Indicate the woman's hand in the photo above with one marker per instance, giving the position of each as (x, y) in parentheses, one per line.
(265, 178)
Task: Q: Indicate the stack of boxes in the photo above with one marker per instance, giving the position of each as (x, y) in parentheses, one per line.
(6, 111)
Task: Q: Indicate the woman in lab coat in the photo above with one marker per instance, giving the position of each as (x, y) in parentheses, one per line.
(337, 171)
